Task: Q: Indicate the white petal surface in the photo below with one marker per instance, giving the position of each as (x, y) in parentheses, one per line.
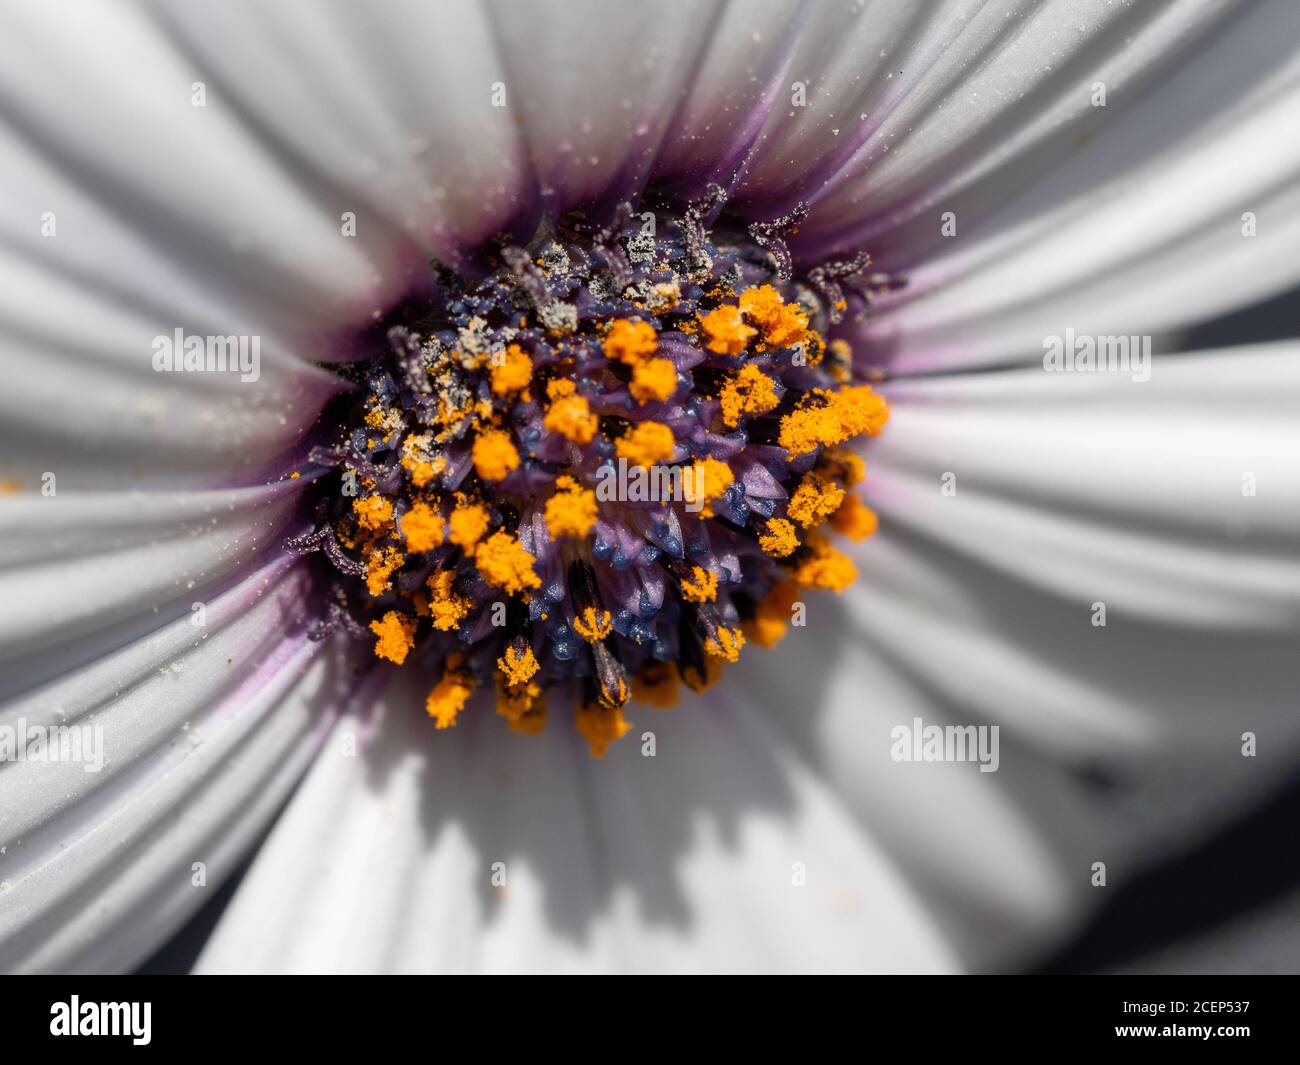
(76, 570)
(103, 123)
(203, 731)
(684, 861)
(385, 110)
(1175, 202)
(82, 400)
(596, 85)
(1118, 743)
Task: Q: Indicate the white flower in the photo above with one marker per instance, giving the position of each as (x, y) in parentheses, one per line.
(1033, 168)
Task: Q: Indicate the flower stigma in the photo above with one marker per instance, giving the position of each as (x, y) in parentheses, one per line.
(600, 469)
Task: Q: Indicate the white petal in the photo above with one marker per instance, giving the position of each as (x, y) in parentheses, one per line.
(850, 67)
(203, 731)
(386, 110)
(1176, 202)
(978, 608)
(741, 78)
(1173, 499)
(596, 85)
(76, 570)
(145, 185)
(989, 853)
(83, 401)
(680, 862)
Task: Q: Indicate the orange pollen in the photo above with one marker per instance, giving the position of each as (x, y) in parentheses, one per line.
(505, 563)
(572, 510)
(494, 455)
(593, 625)
(517, 667)
(630, 341)
(854, 520)
(510, 370)
(373, 512)
(570, 416)
(725, 644)
(825, 567)
(700, 587)
(468, 524)
(750, 391)
(725, 331)
(600, 727)
(646, 444)
(815, 500)
(783, 324)
(396, 636)
(653, 379)
(779, 538)
(422, 527)
(446, 607)
(449, 697)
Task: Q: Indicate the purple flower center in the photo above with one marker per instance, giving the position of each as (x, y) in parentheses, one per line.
(600, 468)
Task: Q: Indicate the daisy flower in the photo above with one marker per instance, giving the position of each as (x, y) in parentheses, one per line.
(406, 402)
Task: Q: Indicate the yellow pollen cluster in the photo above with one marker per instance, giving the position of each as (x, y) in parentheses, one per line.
(571, 417)
(647, 444)
(373, 512)
(572, 510)
(726, 644)
(833, 417)
(815, 500)
(446, 608)
(523, 706)
(449, 697)
(725, 331)
(422, 528)
(600, 727)
(421, 470)
(381, 564)
(396, 636)
(630, 341)
(518, 668)
(593, 624)
(711, 479)
(505, 563)
(854, 520)
(510, 371)
(750, 391)
(783, 325)
(494, 455)
(653, 379)
(772, 617)
(825, 567)
(778, 538)
(468, 524)
(700, 587)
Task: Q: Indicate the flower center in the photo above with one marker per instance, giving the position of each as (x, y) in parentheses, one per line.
(599, 470)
